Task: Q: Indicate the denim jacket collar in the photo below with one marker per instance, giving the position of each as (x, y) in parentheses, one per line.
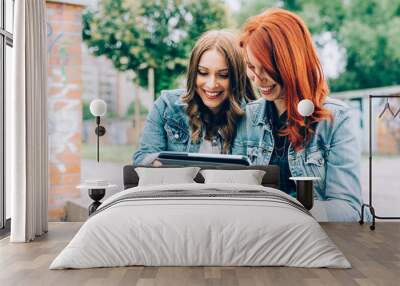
(262, 115)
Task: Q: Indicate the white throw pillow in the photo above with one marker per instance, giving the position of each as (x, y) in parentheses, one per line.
(166, 176)
(248, 177)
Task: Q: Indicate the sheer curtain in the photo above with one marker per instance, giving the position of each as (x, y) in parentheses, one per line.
(26, 122)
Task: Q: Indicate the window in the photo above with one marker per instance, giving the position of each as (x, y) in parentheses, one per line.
(6, 44)
(9, 19)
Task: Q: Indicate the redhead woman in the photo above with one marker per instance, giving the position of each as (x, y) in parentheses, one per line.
(204, 116)
(282, 63)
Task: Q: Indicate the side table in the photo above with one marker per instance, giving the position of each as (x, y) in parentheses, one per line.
(304, 190)
(96, 192)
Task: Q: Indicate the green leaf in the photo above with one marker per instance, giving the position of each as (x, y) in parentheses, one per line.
(139, 34)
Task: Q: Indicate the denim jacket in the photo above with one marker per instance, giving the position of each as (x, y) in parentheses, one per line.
(333, 155)
(167, 129)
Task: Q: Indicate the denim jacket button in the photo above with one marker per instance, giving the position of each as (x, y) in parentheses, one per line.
(176, 136)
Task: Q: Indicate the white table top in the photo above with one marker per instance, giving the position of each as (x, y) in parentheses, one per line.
(91, 186)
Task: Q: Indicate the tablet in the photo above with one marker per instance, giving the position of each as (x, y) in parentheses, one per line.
(198, 159)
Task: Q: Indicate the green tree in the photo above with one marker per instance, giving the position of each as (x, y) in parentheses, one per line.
(141, 34)
(86, 114)
(250, 8)
(369, 32)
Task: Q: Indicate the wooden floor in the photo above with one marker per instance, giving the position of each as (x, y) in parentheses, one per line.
(374, 255)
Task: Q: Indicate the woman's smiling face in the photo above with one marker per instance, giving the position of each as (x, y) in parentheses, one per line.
(268, 88)
(212, 81)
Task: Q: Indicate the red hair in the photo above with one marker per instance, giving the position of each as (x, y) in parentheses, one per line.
(282, 43)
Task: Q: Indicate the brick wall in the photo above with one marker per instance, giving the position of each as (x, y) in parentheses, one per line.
(387, 128)
(64, 104)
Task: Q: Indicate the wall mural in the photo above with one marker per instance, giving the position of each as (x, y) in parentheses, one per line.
(64, 104)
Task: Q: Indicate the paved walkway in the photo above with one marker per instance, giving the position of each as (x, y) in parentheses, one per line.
(385, 185)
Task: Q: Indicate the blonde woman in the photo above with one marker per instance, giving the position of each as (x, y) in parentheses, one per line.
(204, 116)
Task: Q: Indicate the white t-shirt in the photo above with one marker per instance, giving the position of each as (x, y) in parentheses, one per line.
(213, 146)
